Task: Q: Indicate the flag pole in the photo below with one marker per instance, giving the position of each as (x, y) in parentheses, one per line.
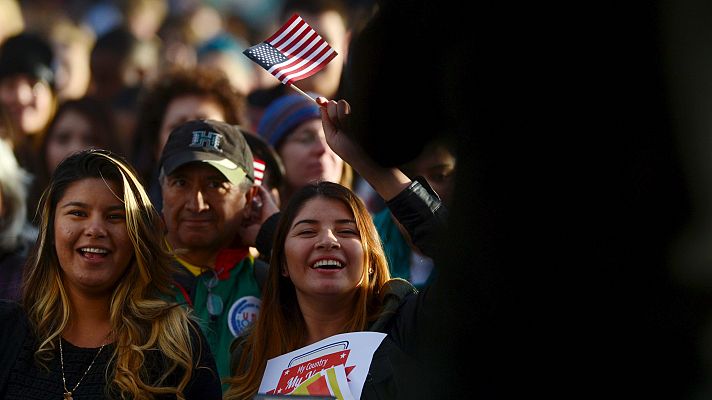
(303, 93)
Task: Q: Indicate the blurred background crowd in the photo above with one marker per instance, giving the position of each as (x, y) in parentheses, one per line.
(584, 199)
(121, 74)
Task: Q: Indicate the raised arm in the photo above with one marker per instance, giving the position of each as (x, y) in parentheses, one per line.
(416, 206)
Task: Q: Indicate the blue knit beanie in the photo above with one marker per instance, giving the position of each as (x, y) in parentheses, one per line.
(284, 114)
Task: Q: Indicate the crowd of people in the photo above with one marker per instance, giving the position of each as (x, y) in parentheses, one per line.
(499, 191)
(144, 256)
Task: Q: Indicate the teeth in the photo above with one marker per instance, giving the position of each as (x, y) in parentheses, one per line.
(323, 263)
(93, 250)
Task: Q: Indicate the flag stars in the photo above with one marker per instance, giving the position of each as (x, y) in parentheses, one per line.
(265, 55)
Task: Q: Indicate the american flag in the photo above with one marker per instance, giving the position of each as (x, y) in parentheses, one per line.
(294, 52)
(259, 167)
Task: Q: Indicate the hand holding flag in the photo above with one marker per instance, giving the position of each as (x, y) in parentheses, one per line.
(292, 53)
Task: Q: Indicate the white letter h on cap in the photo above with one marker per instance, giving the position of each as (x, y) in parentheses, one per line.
(206, 139)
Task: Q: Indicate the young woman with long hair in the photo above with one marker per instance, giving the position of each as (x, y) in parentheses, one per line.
(328, 275)
(94, 319)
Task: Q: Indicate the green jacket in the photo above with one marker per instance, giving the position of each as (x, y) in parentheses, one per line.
(240, 292)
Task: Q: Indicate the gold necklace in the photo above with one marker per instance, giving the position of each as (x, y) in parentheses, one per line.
(68, 393)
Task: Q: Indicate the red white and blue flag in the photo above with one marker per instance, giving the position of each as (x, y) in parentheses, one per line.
(259, 166)
(294, 52)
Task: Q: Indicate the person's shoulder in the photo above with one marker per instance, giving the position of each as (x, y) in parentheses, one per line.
(198, 339)
(205, 381)
(11, 311)
(237, 347)
(393, 295)
(14, 319)
(239, 342)
(395, 291)
(261, 271)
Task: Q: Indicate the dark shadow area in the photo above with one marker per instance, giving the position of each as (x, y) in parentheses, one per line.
(570, 194)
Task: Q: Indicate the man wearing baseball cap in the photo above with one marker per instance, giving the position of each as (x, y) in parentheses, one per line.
(206, 175)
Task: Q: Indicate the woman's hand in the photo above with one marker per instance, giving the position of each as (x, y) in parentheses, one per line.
(335, 119)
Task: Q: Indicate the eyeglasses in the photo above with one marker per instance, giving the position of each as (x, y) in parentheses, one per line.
(215, 302)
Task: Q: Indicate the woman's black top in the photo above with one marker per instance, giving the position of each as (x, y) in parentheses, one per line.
(23, 378)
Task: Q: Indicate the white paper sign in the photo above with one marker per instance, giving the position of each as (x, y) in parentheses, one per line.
(319, 369)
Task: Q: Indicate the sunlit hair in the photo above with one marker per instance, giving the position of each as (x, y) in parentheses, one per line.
(347, 175)
(280, 310)
(13, 189)
(141, 320)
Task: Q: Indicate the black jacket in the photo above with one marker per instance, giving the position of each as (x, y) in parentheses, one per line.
(397, 372)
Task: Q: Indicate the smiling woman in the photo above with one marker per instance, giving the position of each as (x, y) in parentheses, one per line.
(326, 272)
(94, 320)
(328, 275)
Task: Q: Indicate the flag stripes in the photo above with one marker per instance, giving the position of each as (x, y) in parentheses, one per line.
(297, 52)
(259, 167)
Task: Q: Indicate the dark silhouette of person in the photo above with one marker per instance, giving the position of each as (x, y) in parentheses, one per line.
(569, 194)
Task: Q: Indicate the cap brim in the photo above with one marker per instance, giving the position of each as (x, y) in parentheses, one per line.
(232, 171)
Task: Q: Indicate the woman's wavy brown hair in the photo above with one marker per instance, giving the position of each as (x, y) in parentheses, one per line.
(280, 310)
(142, 320)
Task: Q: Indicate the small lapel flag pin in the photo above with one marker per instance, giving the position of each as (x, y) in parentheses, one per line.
(292, 53)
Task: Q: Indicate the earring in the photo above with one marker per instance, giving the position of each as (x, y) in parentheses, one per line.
(370, 271)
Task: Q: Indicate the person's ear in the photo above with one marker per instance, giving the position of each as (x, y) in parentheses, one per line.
(284, 271)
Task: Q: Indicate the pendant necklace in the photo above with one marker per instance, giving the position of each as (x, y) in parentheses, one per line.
(68, 393)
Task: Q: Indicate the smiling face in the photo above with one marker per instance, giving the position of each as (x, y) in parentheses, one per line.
(307, 157)
(323, 251)
(90, 236)
(201, 208)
